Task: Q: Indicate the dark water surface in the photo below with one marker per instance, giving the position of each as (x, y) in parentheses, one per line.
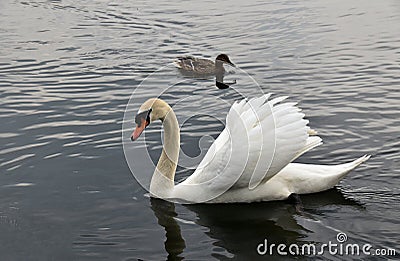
(68, 69)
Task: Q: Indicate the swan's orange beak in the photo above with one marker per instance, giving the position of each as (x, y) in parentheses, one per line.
(142, 120)
(138, 130)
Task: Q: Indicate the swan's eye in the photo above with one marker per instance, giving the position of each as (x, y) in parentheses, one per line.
(148, 116)
(140, 117)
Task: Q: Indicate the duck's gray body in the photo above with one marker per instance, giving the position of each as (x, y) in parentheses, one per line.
(201, 66)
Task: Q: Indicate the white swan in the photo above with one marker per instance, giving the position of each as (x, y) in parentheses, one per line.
(249, 161)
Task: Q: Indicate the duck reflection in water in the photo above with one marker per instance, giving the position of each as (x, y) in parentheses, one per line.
(240, 228)
(204, 68)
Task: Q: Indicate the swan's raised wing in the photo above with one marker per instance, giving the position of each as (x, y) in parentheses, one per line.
(261, 137)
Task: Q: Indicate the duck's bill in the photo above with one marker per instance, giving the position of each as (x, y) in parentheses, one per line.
(137, 132)
(231, 64)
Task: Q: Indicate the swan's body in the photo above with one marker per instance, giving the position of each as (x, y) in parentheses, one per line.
(249, 161)
(201, 66)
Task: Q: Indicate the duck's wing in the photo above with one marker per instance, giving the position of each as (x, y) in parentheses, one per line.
(190, 63)
(261, 137)
(183, 62)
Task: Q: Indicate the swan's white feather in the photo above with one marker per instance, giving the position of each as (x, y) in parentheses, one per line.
(260, 138)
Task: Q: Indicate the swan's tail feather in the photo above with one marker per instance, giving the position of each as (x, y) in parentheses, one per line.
(310, 178)
(341, 170)
(354, 164)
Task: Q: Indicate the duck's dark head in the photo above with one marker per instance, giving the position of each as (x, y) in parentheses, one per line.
(225, 59)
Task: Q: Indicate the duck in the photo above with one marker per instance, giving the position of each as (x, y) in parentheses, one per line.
(250, 161)
(202, 66)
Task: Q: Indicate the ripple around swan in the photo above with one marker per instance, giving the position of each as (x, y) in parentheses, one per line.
(67, 71)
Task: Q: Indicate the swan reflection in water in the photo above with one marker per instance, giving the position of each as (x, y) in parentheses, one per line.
(165, 214)
(240, 228)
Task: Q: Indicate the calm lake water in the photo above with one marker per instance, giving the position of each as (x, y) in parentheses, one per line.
(69, 68)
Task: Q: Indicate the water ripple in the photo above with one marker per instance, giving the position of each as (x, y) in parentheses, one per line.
(67, 70)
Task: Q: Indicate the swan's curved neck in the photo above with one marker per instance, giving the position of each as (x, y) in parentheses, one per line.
(162, 182)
